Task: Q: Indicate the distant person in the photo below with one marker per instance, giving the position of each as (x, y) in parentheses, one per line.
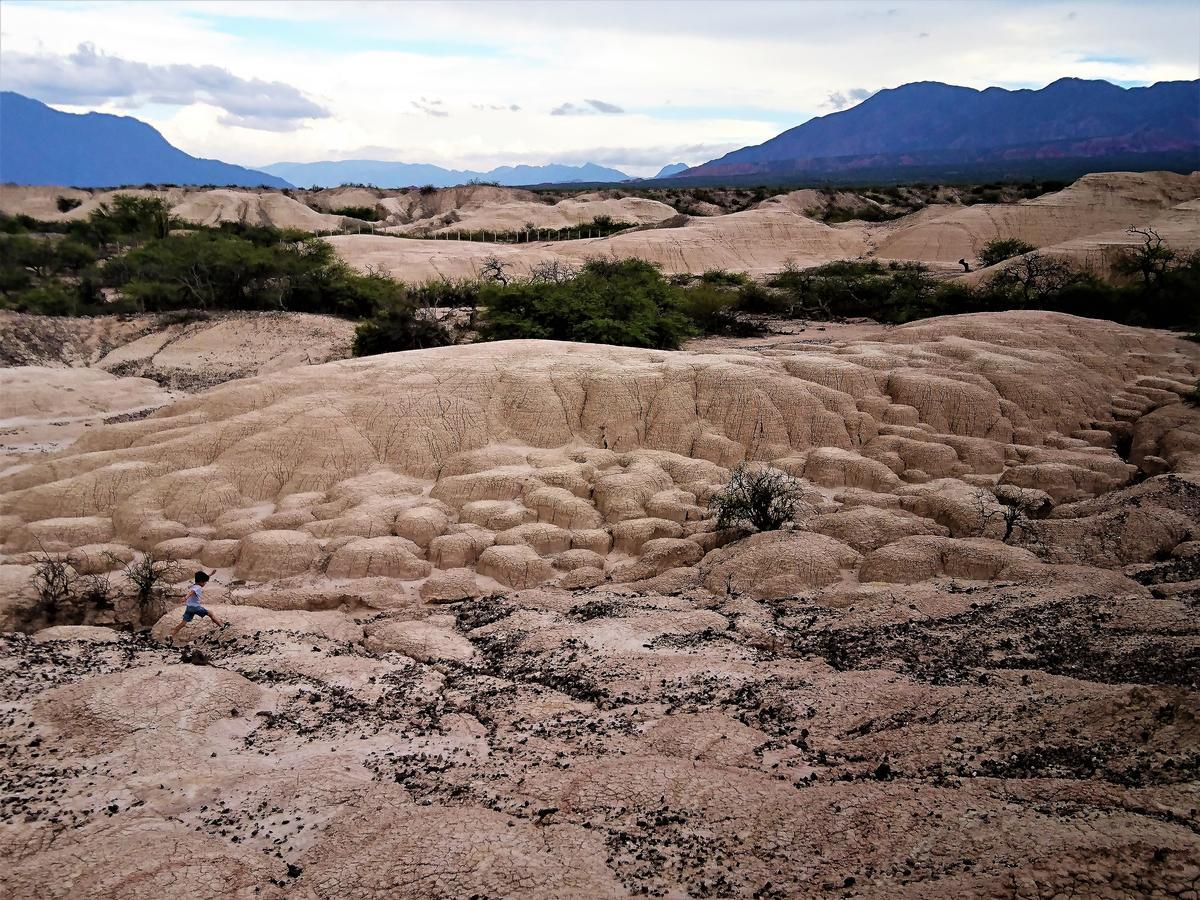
(966, 265)
(192, 606)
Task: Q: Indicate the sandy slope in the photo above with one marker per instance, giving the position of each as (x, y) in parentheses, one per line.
(1094, 204)
(887, 700)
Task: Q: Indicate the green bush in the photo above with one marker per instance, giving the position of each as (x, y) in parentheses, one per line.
(625, 302)
(725, 277)
(398, 325)
(1000, 249)
(366, 213)
(713, 309)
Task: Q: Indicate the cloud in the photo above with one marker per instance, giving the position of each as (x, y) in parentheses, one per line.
(839, 100)
(587, 108)
(430, 107)
(497, 107)
(88, 77)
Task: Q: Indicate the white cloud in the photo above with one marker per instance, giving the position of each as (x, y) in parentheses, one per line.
(744, 72)
(88, 76)
(586, 108)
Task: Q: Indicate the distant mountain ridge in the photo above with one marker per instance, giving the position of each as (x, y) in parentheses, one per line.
(930, 123)
(40, 145)
(381, 173)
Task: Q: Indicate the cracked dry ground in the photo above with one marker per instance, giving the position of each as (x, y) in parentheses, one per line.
(984, 740)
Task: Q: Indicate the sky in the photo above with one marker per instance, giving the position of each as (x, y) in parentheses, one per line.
(634, 85)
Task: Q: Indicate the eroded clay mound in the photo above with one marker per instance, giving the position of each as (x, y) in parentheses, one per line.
(1093, 205)
(756, 241)
(43, 409)
(179, 350)
(534, 463)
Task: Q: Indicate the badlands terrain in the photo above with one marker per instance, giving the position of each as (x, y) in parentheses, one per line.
(417, 235)
(485, 638)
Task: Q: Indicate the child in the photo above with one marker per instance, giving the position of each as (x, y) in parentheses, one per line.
(192, 606)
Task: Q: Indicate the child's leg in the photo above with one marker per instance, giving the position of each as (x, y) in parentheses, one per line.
(215, 620)
(176, 629)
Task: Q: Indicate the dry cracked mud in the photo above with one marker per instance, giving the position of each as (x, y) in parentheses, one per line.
(485, 639)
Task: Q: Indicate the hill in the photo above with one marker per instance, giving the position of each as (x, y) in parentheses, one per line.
(333, 173)
(40, 145)
(929, 124)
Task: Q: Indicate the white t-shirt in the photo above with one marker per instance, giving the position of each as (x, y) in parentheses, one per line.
(193, 595)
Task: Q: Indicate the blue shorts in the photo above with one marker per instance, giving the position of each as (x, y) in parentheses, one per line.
(190, 612)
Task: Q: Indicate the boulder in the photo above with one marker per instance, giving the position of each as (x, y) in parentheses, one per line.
(386, 557)
(777, 564)
(515, 565)
(423, 641)
(450, 586)
(265, 555)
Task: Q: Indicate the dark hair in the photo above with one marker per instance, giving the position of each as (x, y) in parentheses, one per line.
(201, 577)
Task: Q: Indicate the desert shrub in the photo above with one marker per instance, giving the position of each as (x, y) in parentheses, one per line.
(761, 498)
(897, 292)
(398, 325)
(54, 580)
(713, 309)
(428, 189)
(149, 574)
(1033, 278)
(222, 270)
(66, 204)
(64, 595)
(366, 213)
(626, 302)
(754, 298)
(997, 250)
(725, 277)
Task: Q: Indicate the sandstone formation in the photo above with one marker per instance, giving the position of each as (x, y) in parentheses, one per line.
(485, 639)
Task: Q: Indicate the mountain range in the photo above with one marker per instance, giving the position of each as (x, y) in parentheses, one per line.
(40, 145)
(398, 174)
(933, 124)
(916, 131)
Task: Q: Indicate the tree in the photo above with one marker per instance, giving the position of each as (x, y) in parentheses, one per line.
(1150, 261)
(626, 302)
(1033, 277)
(1012, 507)
(148, 573)
(398, 325)
(760, 497)
(998, 250)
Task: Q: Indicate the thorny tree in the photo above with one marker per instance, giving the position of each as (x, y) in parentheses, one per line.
(760, 497)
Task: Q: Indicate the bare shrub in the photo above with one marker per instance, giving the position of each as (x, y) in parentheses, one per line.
(148, 574)
(761, 498)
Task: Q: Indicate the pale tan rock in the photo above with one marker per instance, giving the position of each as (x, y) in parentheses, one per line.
(421, 640)
(924, 557)
(496, 515)
(90, 634)
(515, 565)
(630, 534)
(597, 540)
(94, 559)
(265, 555)
(447, 587)
(453, 551)
(578, 559)
(58, 534)
(583, 577)
(866, 528)
(657, 556)
(777, 564)
(221, 554)
(544, 538)
(388, 557)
